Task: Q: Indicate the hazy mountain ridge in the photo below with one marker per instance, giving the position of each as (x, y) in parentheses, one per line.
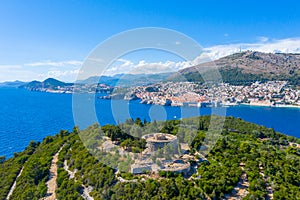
(14, 84)
(127, 79)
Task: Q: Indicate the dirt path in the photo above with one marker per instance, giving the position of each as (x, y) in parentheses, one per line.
(14, 185)
(66, 167)
(292, 144)
(241, 189)
(51, 183)
(122, 180)
(86, 190)
(268, 186)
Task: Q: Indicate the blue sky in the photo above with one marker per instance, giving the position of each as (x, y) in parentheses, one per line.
(46, 38)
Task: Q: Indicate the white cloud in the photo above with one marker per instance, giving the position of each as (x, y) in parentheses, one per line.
(290, 45)
(10, 67)
(54, 64)
(68, 75)
(14, 72)
(143, 67)
(62, 70)
(263, 39)
(96, 60)
(68, 70)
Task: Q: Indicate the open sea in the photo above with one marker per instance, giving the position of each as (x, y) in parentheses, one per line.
(26, 116)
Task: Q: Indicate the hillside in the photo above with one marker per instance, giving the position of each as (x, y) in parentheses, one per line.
(248, 66)
(248, 162)
(49, 83)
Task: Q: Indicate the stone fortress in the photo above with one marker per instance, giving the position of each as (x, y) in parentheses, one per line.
(151, 159)
(157, 141)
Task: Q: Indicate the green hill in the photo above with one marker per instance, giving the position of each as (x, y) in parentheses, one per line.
(269, 160)
(248, 67)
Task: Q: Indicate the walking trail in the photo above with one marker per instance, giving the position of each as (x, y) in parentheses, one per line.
(266, 179)
(14, 185)
(86, 190)
(241, 189)
(51, 183)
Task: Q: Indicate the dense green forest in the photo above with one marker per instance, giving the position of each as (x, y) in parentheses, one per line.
(240, 143)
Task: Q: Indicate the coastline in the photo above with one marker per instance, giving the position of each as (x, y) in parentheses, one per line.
(255, 104)
(270, 106)
(58, 108)
(188, 104)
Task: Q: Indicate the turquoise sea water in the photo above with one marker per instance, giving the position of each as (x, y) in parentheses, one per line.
(26, 116)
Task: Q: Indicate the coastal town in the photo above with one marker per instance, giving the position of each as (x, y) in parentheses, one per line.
(271, 93)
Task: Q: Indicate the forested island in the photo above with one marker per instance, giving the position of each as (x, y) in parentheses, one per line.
(247, 161)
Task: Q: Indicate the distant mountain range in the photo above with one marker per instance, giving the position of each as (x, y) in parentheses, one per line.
(12, 84)
(128, 79)
(248, 66)
(239, 68)
(124, 80)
